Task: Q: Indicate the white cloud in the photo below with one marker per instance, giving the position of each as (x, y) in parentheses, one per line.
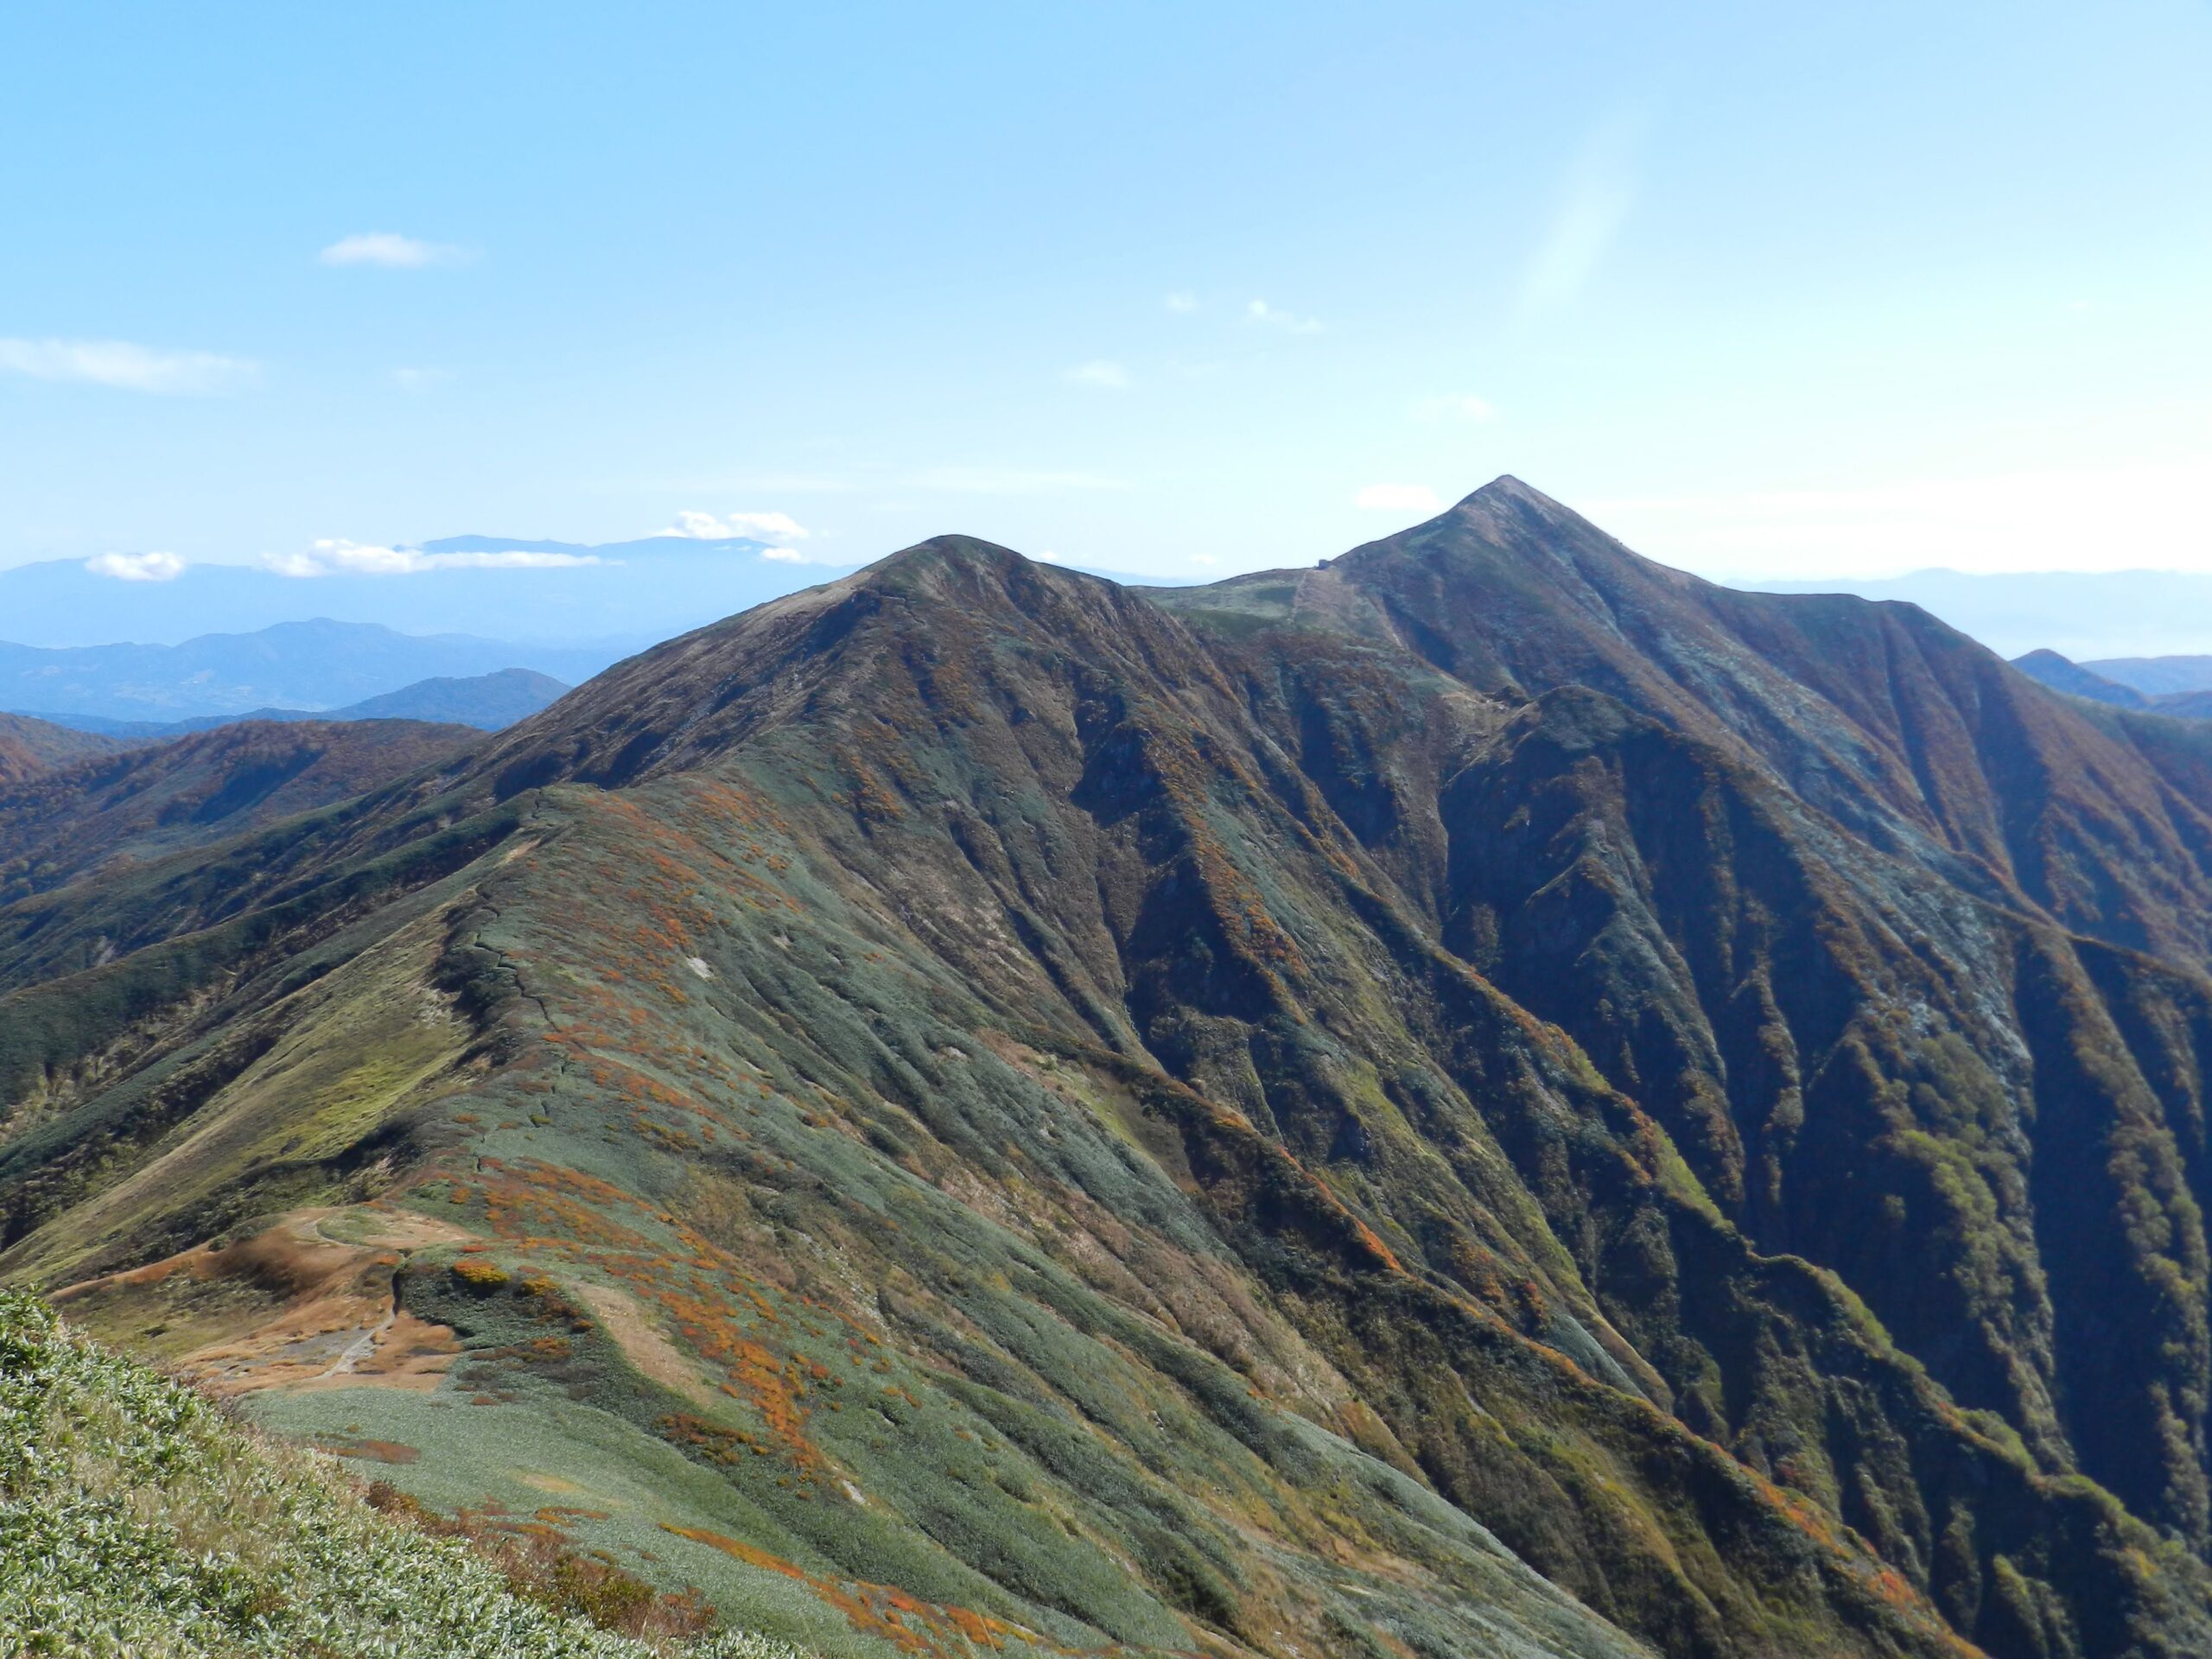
(1594, 199)
(1005, 480)
(1399, 497)
(1455, 406)
(785, 555)
(390, 250)
(780, 528)
(137, 567)
(120, 363)
(1260, 311)
(1106, 376)
(1182, 303)
(340, 558)
(699, 527)
(419, 379)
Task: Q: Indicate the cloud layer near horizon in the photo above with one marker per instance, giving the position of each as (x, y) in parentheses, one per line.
(339, 558)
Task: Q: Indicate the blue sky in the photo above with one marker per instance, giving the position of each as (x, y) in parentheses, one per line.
(1180, 289)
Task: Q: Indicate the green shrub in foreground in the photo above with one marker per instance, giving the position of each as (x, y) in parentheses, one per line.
(136, 1522)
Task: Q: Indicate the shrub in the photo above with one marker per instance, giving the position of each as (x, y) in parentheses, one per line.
(478, 1275)
(135, 1519)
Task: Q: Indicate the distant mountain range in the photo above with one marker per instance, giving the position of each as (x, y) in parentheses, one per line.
(2165, 686)
(617, 596)
(487, 702)
(2157, 677)
(316, 668)
(2083, 615)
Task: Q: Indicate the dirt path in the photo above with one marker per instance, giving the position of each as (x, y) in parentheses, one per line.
(359, 1350)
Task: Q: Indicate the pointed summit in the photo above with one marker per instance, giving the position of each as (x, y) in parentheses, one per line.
(1505, 516)
(1507, 488)
(1506, 507)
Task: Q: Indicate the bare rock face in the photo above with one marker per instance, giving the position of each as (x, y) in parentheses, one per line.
(1486, 1097)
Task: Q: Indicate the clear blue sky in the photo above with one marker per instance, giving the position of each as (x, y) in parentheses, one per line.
(1768, 290)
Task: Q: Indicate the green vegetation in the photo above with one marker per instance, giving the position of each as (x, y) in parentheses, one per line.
(137, 1521)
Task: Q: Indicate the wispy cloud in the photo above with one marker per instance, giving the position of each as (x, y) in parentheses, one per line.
(419, 379)
(137, 567)
(1399, 497)
(339, 558)
(126, 367)
(1272, 316)
(390, 250)
(1181, 302)
(1005, 480)
(1100, 373)
(1594, 198)
(1455, 406)
(778, 528)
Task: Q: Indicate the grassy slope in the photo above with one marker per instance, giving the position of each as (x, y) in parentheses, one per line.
(136, 1520)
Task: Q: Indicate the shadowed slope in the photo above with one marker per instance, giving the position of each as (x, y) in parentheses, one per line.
(1910, 734)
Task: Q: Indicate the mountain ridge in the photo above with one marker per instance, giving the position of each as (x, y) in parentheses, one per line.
(1631, 1059)
(29, 746)
(151, 800)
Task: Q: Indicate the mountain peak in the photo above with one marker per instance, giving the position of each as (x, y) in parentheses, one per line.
(1506, 488)
(960, 560)
(1506, 509)
(1508, 516)
(951, 548)
(2062, 673)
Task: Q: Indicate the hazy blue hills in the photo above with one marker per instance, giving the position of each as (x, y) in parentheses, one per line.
(318, 667)
(487, 702)
(2157, 677)
(2181, 686)
(628, 595)
(2084, 615)
(2063, 674)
